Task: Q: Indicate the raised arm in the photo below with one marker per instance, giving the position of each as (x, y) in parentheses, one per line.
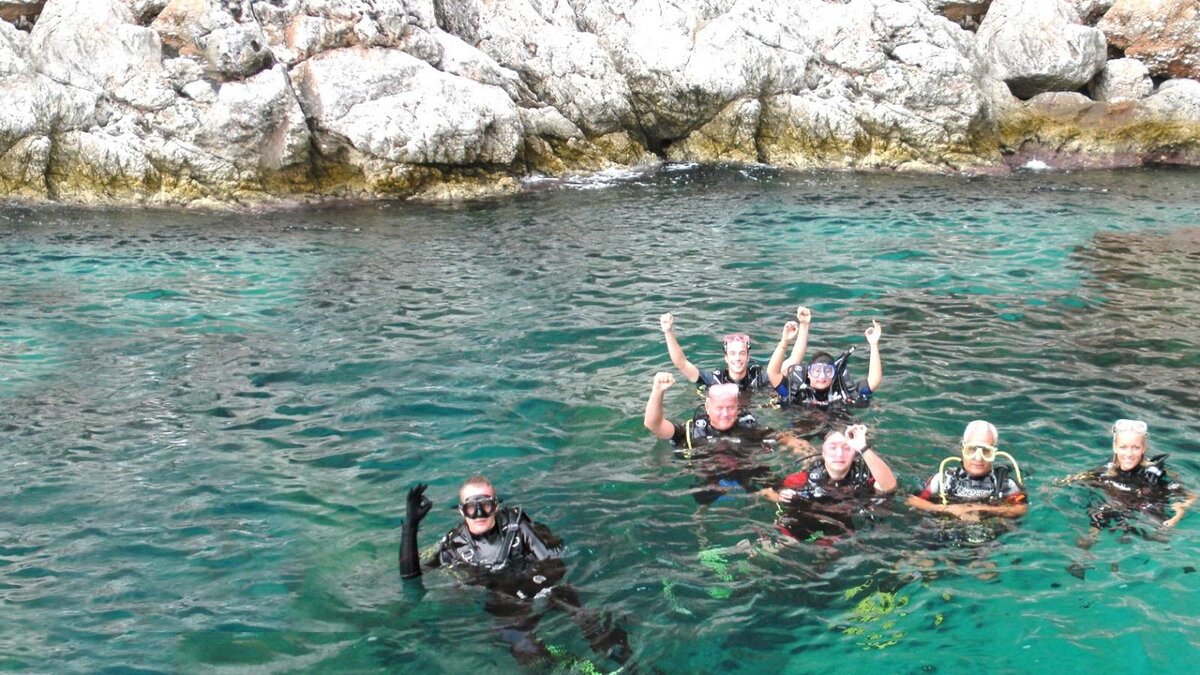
(667, 323)
(885, 480)
(654, 420)
(775, 365)
(803, 319)
(875, 372)
(418, 507)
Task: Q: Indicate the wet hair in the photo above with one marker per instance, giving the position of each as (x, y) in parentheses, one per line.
(821, 357)
(721, 390)
(831, 435)
(981, 424)
(477, 481)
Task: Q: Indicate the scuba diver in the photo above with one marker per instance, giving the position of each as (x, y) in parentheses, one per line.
(740, 369)
(847, 469)
(820, 499)
(977, 488)
(516, 559)
(721, 438)
(1133, 484)
(824, 380)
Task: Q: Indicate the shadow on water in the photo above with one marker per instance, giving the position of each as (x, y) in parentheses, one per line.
(209, 421)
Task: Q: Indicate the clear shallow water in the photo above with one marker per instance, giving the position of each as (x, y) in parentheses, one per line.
(208, 422)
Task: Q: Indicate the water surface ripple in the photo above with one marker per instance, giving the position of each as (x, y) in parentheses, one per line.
(208, 422)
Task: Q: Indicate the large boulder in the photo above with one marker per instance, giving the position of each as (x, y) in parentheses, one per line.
(564, 66)
(865, 84)
(1039, 46)
(94, 45)
(387, 105)
(1163, 34)
(1122, 78)
(1177, 100)
(32, 107)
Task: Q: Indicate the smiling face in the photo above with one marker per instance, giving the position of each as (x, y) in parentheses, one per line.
(1129, 447)
(837, 454)
(721, 405)
(737, 358)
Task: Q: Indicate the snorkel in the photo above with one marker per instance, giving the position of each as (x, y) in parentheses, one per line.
(839, 371)
(979, 448)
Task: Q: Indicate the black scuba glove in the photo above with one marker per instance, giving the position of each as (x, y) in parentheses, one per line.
(418, 507)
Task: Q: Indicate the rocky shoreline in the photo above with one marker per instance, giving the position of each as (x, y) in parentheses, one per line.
(234, 103)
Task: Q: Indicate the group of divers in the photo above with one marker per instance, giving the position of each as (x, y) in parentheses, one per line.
(519, 560)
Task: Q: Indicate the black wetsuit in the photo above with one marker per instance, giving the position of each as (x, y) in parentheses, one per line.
(796, 390)
(995, 488)
(962, 488)
(823, 508)
(745, 429)
(755, 378)
(518, 560)
(1144, 489)
(814, 483)
(515, 539)
(725, 460)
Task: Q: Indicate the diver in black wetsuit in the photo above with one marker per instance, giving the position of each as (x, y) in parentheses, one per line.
(821, 498)
(975, 489)
(1133, 484)
(722, 439)
(740, 369)
(823, 382)
(514, 557)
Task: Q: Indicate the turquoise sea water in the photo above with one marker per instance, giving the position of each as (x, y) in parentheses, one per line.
(208, 422)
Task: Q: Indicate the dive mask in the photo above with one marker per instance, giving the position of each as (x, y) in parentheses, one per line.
(822, 370)
(1136, 426)
(479, 507)
(979, 451)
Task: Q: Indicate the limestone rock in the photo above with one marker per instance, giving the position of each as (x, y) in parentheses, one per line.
(23, 168)
(564, 64)
(1178, 100)
(199, 29)
(1090, 11)
(299, 29)
(1163, 34)
(1039, 46)
(14, 51)
(32, 104)
(1122, 78)
(1068, 130)
(92, 44)
(98, 167)
(388, 105)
